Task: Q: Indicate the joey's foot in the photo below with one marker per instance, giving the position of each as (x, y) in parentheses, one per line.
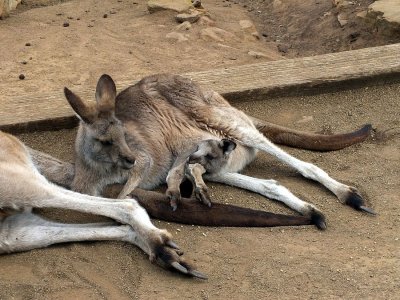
(174, 198)
(354, 199)
(201, 194)
(167, 254)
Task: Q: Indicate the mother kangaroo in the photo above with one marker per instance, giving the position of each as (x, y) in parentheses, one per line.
(137, 136)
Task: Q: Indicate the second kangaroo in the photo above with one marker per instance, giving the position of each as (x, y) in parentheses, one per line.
(138, 136)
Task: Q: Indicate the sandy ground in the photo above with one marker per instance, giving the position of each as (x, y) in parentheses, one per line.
(356, 257)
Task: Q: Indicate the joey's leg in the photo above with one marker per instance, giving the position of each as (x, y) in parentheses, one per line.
(175, 177)
(271, 189)
(248, 135)
(195, 174)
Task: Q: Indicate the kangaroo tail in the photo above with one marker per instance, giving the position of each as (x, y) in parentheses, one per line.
(193, 212)
(311, 141)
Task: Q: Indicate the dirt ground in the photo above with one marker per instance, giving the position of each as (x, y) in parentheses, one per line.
(356, 257)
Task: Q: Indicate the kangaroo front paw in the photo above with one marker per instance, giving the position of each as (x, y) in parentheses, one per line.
(201, 194)
(353, 198)
(167, 254)
(174, 197)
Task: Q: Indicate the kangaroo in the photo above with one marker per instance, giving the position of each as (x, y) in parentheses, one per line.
(22, 188)
(134, 138)
(209, 157)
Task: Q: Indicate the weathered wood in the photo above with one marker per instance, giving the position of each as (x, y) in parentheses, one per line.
(31, 112)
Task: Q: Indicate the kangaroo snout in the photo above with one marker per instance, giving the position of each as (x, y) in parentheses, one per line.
(128, 162)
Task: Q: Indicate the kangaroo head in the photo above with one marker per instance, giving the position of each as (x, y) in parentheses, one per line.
(213, 155)
(101, 139)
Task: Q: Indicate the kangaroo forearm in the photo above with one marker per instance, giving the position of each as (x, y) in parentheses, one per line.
(59, 172)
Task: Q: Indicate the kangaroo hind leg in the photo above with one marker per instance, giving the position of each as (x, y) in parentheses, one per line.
(235, 125)
(273, 190)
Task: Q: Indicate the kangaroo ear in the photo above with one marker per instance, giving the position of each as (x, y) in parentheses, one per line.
(227, 146)
(105, 94)
(86, 113)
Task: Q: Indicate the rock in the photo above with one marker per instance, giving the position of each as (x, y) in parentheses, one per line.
(342, 18)
(6, 6)
(216, 34)
(257, 54)
(283, 48)
(342, 3)
(179, 37)
(197, 3)
(192, 17)
(249, 28)
(184, 26)
(175, 5)
(207, 21)
(362, 14)
(386, 13)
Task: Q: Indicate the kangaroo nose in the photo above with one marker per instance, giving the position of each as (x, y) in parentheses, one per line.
(129, 162)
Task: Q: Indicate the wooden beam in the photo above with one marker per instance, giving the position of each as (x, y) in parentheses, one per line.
(32, 112)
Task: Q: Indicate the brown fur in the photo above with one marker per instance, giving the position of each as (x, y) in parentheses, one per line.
(158, 122)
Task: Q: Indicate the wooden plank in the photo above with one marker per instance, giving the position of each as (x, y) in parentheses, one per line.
(51, 111)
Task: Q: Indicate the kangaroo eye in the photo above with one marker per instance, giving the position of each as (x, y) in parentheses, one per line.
(106, 143)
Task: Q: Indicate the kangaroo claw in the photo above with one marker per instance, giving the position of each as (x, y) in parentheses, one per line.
(197, 274)
(202, 195)
(368, 210)
(355, 200)
(173, 245)
(179, 267)
(174, 197)
(168, 256)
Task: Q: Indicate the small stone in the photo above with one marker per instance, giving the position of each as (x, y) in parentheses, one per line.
(105, 16)
(197, 3)
(184, 26)
(66, 24)
(24, 62)
(192, 17)
(256, 54)
(179, 37)
(216, 34)
(176, 5)
(21, 76)
(206, 21)
(28, 44)
(249, 28)
(283, 48)
(342, 19)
